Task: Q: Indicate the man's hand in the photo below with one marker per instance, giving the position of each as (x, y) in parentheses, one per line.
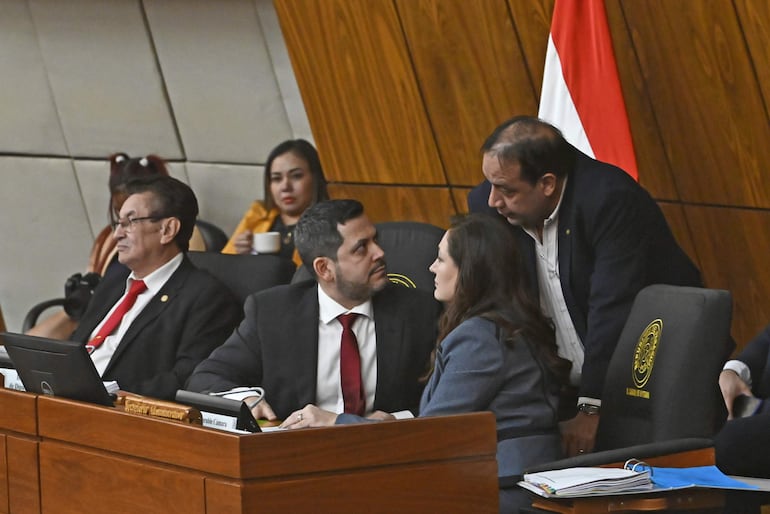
(262, 410)
(732, 386)
(309, 416)
(380, 416)
(243, 242)
(578, 434)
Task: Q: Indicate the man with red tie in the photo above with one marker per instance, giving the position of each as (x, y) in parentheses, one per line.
(349, 341)
(148, 330)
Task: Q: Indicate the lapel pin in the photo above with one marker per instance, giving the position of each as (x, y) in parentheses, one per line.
(567, 231)
(164, 298)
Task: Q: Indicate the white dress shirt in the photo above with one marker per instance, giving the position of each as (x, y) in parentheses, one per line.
(328, 383)
(740, 368)
(552, 297)
(154, 282)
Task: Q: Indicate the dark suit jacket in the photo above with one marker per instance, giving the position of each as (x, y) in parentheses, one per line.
(741, 444)
(756, 355)
(276, 347)
(192, 314)
(613, 241)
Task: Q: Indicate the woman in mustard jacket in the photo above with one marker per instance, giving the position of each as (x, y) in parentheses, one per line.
(294, 181)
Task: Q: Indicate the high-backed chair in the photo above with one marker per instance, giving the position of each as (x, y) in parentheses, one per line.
(661, 395)
(245, 274)
(410, 248)
(214, 238)
(242, 274)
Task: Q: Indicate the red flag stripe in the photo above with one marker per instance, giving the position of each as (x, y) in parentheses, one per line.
(581, 36)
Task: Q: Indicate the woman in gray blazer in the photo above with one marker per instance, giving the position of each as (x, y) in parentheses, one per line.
(497, 352)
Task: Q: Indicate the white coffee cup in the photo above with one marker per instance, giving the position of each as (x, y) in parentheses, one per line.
(267, 242)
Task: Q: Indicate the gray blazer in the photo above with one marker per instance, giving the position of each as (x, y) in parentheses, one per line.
(474, 371)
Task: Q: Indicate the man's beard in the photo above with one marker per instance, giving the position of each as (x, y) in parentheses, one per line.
(359, 292)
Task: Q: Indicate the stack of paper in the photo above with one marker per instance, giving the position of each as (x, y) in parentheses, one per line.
(573, 482)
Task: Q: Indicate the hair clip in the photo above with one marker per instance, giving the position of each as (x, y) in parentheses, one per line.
(144, 162)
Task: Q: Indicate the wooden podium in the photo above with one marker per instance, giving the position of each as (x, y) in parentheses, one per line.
(61, 456)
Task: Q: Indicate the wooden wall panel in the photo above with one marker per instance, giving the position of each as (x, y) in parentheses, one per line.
(429, 204)
(733, 245)
(677, 220)
(694, 77)
(654, 169)
(703, 90)
(453, 44)
(460, 196)
(532, 22)
(362, 99)
(754, 17)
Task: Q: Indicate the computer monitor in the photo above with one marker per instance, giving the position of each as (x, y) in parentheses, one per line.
(5, 361)
(56, 368)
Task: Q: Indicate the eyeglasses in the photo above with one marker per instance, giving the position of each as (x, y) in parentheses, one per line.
(128, 223)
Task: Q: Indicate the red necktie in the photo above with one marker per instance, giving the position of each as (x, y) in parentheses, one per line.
(136, 288)
(350, 368)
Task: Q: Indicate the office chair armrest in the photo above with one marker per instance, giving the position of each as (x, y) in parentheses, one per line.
(30, 320)
(641, 452)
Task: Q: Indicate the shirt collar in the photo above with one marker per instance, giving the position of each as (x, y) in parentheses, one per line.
(330, 309)
(155, 280)
(555, 214)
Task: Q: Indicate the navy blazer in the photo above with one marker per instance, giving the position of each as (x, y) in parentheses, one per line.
(192, 314)
(613, 241)
(276, 347)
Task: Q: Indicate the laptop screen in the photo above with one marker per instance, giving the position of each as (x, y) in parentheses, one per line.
(56, 368)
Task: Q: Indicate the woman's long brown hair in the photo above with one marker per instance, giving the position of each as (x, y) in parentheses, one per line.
(489, 285)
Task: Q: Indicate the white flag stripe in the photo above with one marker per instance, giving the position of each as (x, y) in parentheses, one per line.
(560, 110)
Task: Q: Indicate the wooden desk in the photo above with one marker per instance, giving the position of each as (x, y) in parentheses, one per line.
(19, 489)
(76, 457)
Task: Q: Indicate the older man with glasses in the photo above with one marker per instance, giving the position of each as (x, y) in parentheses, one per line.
(148, 330)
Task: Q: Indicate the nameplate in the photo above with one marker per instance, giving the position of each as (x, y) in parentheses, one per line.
(11, 379)
(221, 422)
(638, 393)
(160, 409)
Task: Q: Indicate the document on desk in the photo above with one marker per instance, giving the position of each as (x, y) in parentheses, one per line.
(586, 481)
(583, 482)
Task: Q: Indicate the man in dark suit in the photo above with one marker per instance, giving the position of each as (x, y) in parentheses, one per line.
(591, 238)
(742, 442)
(179, 314)
(290, 340)
(741, 446)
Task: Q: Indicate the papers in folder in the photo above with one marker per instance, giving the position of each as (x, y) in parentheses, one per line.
(636, 478)
(574, 482)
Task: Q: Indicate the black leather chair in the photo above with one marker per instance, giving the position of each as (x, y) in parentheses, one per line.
(245, 274)
(661, 395)
(242, 274)
(410, 248)
(213, 237)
